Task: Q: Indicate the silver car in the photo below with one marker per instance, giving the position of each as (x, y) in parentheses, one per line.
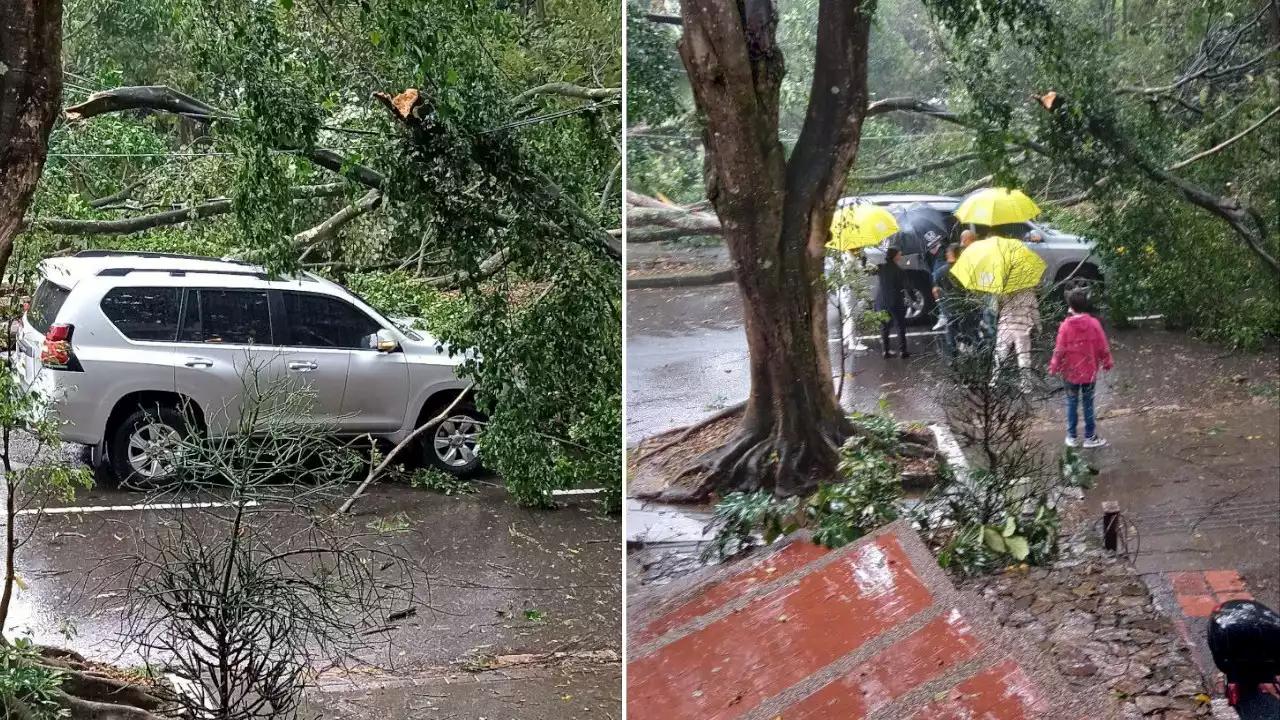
(1069, 259)
(131, 345)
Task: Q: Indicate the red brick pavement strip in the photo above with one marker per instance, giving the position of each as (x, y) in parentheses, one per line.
(1198, 593)
(833, 658)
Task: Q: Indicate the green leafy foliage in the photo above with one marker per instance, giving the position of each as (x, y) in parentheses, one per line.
(740, 516)
(289, 77)
(442, 482)
(28, 689)
(869, 498)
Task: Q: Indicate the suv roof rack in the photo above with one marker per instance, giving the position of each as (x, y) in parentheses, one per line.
(181, 272)
(148, 254)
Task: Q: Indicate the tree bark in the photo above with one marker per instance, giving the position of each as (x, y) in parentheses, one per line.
(30, 94)
(776, 217)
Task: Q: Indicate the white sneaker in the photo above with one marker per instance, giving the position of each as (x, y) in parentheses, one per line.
(941, 324)
(1072, 442)
(860, 348)
(1094, 442)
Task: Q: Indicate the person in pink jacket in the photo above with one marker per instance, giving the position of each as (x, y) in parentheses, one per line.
(1080, 352)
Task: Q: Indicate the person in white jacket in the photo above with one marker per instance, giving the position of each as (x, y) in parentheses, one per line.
(850, 306)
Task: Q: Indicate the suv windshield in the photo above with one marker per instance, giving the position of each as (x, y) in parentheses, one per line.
(45, 305)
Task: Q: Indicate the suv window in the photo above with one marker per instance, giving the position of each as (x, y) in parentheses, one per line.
(326, 322)
(144, 313)
(45, 305)
(227, 316)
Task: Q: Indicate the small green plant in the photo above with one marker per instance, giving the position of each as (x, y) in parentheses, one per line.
(395, 524)
(27, 688)
(1076, 471)
(870, 497)
(882, 430)
(1266, 389)
(535, 616)
(442, 482)
(740, 516)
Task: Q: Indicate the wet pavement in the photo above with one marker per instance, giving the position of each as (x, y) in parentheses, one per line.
(874, 629)
(490, 580)
(1194, 429)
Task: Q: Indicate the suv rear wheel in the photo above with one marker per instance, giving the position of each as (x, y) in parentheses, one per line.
(141, 444)
(452, 446)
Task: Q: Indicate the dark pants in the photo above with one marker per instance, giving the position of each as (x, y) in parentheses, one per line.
(1082, 394)
(897, 316)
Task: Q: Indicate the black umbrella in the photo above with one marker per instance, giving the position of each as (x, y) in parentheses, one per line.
(921, 230)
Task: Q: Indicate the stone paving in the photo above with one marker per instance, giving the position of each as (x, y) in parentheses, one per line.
(872, 630)
(1095, 617)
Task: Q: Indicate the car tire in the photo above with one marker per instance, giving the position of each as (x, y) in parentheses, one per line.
(1086, 276)
(452, 445)
(918, 297)
(127, 453)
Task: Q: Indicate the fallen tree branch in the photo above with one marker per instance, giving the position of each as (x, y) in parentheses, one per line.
(162, 98)
(128, 226)
(644, 282)
(1225, 143)
(570, 90)
(488, 268)
(123, 194)
(140, 97)
(908, 172)
(663, 19)
(413, 436)
(676, 219)
(333, 223)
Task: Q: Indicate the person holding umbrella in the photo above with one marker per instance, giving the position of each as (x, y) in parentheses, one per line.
(946, 292)
(853, 228)
(1007, 272)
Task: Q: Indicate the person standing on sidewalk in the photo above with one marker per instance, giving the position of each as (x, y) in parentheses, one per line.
(889, 299)
(945, 291)
(1079, 353)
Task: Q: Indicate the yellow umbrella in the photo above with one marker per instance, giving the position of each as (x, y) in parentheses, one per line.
(859, 226)
(996, 206)
(998, 265)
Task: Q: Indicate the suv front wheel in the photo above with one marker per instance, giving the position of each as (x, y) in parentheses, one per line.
(453, 445)
(142, 445)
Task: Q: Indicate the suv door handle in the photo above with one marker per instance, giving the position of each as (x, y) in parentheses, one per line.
(302, 365)
(198, 362)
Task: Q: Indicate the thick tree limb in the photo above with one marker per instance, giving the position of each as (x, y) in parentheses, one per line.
(128, 226)
(675, 219)
(333, 223)
(488, 268)
(643, 282)
(141, 97)
(663, 19)
(570, 90)
(908, 172)
(115, 197)
(162, 98)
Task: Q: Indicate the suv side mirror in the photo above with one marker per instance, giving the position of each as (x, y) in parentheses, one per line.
(383, 341)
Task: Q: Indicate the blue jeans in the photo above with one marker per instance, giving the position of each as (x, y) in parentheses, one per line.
(1077, 393)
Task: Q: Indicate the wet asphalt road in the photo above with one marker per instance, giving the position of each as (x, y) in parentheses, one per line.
(478, 564)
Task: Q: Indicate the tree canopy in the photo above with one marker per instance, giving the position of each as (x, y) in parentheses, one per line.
(1160, 147)
(252, 130)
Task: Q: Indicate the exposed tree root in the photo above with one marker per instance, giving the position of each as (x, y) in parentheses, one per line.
(687, 432)
(760, 460)
(89, 694)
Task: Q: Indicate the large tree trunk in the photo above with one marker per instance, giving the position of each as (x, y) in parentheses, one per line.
(776, 215)
(30, 95)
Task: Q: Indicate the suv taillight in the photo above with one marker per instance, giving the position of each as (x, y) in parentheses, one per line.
(56, 353)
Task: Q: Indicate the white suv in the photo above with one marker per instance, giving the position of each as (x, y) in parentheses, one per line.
(127, 343)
